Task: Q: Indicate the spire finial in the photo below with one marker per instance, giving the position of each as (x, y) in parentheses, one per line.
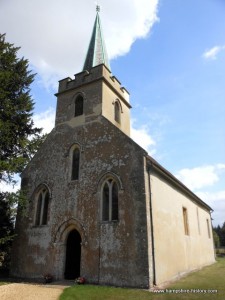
(98, 8)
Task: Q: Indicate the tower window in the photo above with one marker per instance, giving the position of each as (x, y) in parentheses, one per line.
(79, 106)
(117, 112)
(75, 164)
(110, 201)
(42, 207)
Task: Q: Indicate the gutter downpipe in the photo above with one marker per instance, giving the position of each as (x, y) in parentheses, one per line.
(152, 225)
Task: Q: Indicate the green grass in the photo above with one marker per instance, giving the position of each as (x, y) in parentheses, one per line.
(2, 283)
(209, 278)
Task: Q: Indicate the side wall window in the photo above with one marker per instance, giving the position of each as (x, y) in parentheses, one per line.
(109, 201)
(185, 219)
(42, 207)
(75, 164)
(117, 114)
(79, 106)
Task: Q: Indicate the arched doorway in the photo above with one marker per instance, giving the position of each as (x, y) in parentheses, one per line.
(73, 255)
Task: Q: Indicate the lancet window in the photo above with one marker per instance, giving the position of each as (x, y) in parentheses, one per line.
(117, 112)
(109, 200)
(42, 207)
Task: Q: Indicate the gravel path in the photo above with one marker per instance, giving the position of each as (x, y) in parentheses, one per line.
(20, 291)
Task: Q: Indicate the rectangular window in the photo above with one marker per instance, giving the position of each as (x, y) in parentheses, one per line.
(185, 218)
(208, 227)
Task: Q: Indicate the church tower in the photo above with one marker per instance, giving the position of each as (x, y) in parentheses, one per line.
(95, 91)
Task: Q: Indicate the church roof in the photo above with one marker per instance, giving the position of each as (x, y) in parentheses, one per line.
(97, 53)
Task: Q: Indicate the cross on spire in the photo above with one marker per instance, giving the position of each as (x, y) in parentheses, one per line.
(98, 8)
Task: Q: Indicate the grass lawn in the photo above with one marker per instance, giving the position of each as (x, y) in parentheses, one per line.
(2, 283)
(209, 278)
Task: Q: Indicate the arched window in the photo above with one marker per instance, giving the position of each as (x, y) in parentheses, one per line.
(79, 104)
(45, 209)
(75, 164)
(105, 202)
(38, 211)
(109, 201)
(42, 207)
(117, 112)
(114, 201)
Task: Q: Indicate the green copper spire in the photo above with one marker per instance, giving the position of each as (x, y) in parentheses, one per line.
(96, 54)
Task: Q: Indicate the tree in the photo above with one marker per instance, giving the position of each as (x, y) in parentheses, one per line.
(222, 235)
(6, 232)
(216, 239)
(19, 139)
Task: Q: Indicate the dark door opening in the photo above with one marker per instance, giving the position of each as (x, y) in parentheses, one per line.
(73, 254)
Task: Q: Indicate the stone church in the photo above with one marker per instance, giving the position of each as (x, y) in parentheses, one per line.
(98, 205)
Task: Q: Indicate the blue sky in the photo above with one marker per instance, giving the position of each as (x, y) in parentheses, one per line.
(169, 54)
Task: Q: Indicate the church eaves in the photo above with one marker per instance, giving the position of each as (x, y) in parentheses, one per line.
(97, 53)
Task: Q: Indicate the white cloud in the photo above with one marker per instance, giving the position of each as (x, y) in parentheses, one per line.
(217, 202)
(200, 177)
(143, 138)
(5, 187)
(212, 197)
(45, 120)
(221, 166)
(54, 34)
(213, 52)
